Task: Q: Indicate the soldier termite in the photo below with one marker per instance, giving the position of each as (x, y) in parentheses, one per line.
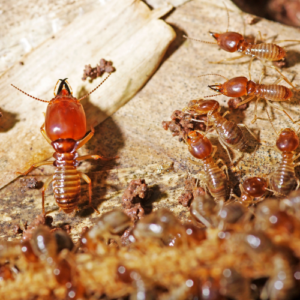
(64, 129)
(241, 86)
(231, 41)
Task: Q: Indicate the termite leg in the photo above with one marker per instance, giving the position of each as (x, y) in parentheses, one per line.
(249, 130)
(281, 41)
(96, 157)
(249, 67)
(224, 167)
(86, 139)
(260, 36)
(36, 165)
(195, 162)
(214, 150)
(298, 184)
(275, 193)
(44, 134)
(89, 182)
(226, 113)
(277, 81)
(226, 149)
(260, 199)
(297, 164)
(248, 99)
(255, 112)
(281, 109)
(46, 184)
(227, 59)
(283, 77)
(232, 195)
(296, 157)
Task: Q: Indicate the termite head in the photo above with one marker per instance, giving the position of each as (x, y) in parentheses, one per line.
(161, 224)
(235, 87)
(228, 41)
(65, 117)
(269, 215)
(255, 186)
(42, 246)
(287, 140)
(232, 213)
(203, 107)
(199, 145)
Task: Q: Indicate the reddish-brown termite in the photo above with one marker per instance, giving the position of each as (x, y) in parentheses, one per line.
(253, 190)
(200, 147)
(241, 86)
(231, 41)
(283, 180)
(230, 134)
(64, 129)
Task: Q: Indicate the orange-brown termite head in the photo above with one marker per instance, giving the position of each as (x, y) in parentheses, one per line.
(199, 145)
(287, 140)
(255, 186)
(235, 87)
(65, 117)
(228, 41)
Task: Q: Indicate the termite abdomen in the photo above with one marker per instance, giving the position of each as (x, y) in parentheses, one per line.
(271, 52)
(284, 180)
(66, 180)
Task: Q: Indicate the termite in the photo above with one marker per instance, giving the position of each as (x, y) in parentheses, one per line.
(64, 129)
(241, 86)
(253, 190)
(216, 181)
(216, 215)
(109, 226)
(283, 180)
(229, 133)
(231, 41)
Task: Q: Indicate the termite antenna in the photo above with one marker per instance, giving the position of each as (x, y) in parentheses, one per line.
(30, 95)
(212, 74)
(212, 95)
(271, 122)
(56, 87)
(227, 16)
(94, 88)
(206, 42)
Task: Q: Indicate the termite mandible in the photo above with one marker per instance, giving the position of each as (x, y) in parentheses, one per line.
(64, 129)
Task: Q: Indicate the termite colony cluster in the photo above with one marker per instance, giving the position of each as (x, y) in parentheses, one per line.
(233, 247)
(239, 254)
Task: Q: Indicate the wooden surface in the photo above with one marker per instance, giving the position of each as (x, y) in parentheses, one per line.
(135, 133)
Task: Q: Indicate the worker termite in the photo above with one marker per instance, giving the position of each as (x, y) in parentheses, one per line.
(163, 226)
(64, 129)
(277, 262)
(217, 215)
(241, 86)
(283, 180)
(108, 226)
(200, 147)
(230, 135)
(253, 190)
